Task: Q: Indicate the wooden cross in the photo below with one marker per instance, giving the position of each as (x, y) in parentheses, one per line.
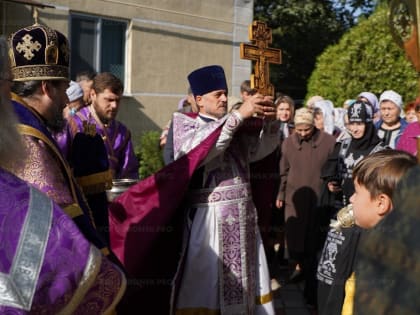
(260, 36)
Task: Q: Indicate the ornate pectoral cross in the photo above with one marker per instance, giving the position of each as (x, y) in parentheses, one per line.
(260, 36)
(89, 128)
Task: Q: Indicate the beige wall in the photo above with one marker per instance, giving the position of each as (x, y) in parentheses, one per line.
(166, 40)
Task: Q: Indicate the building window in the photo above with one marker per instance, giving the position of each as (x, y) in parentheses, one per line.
(97, 44)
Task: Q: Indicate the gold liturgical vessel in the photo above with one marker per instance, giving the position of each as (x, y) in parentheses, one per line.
(345, 218)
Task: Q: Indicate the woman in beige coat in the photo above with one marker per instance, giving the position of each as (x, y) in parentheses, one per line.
(303, 155)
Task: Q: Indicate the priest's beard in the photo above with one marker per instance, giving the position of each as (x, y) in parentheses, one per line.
(11, 145)
(57, 123)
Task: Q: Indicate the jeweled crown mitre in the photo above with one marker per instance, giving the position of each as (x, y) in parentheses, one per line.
(38, 52)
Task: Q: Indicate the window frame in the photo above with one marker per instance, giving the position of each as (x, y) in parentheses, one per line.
(98, 20)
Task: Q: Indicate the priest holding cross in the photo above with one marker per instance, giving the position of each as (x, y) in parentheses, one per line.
(205, 188)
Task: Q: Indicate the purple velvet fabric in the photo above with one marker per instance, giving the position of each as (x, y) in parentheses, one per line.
(46, 169)
(63, 262)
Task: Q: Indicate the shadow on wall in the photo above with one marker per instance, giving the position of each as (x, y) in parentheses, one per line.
(132, 115)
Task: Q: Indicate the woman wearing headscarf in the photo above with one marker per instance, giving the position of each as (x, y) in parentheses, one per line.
(324, 117)
(302, 156)
(337, 258)
(372, 100)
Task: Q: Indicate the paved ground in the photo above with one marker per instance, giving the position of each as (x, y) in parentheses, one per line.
(288, 296)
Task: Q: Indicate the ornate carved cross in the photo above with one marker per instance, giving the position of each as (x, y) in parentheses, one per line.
(260, 36)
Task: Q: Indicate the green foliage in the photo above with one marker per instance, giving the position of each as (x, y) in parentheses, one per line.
(149, 154)
(302, 30)
(365, 59)
(350, 11)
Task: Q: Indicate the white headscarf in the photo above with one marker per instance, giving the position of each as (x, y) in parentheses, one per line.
(327, 108)
(339, 115)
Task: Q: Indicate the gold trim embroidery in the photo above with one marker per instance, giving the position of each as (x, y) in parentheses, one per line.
(264, 299)
(30, 131)
(90, 273)
(40, 72)
(95, 183)
(111, 309)
(12, 58)
(73, 210)
(51, 55)
(105, 251)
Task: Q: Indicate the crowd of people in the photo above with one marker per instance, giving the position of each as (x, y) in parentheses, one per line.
(311, 170)
(198, 237)
(308, 178)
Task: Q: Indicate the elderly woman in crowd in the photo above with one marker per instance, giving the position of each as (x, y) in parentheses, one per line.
(324, 117)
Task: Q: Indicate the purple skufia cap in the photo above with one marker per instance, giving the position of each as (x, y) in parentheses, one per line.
(207, 79)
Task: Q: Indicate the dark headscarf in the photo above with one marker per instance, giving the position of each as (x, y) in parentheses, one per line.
(362, 112)
(369, 140)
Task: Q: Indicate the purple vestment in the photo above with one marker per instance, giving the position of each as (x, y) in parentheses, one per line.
(144, 230)
(45, 168)
(117, 138)
(46, 265)
(223, 245)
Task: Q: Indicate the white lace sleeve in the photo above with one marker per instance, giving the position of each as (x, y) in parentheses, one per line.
(233, 122)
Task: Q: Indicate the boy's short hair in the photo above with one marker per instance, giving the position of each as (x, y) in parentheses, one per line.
(381, 171)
